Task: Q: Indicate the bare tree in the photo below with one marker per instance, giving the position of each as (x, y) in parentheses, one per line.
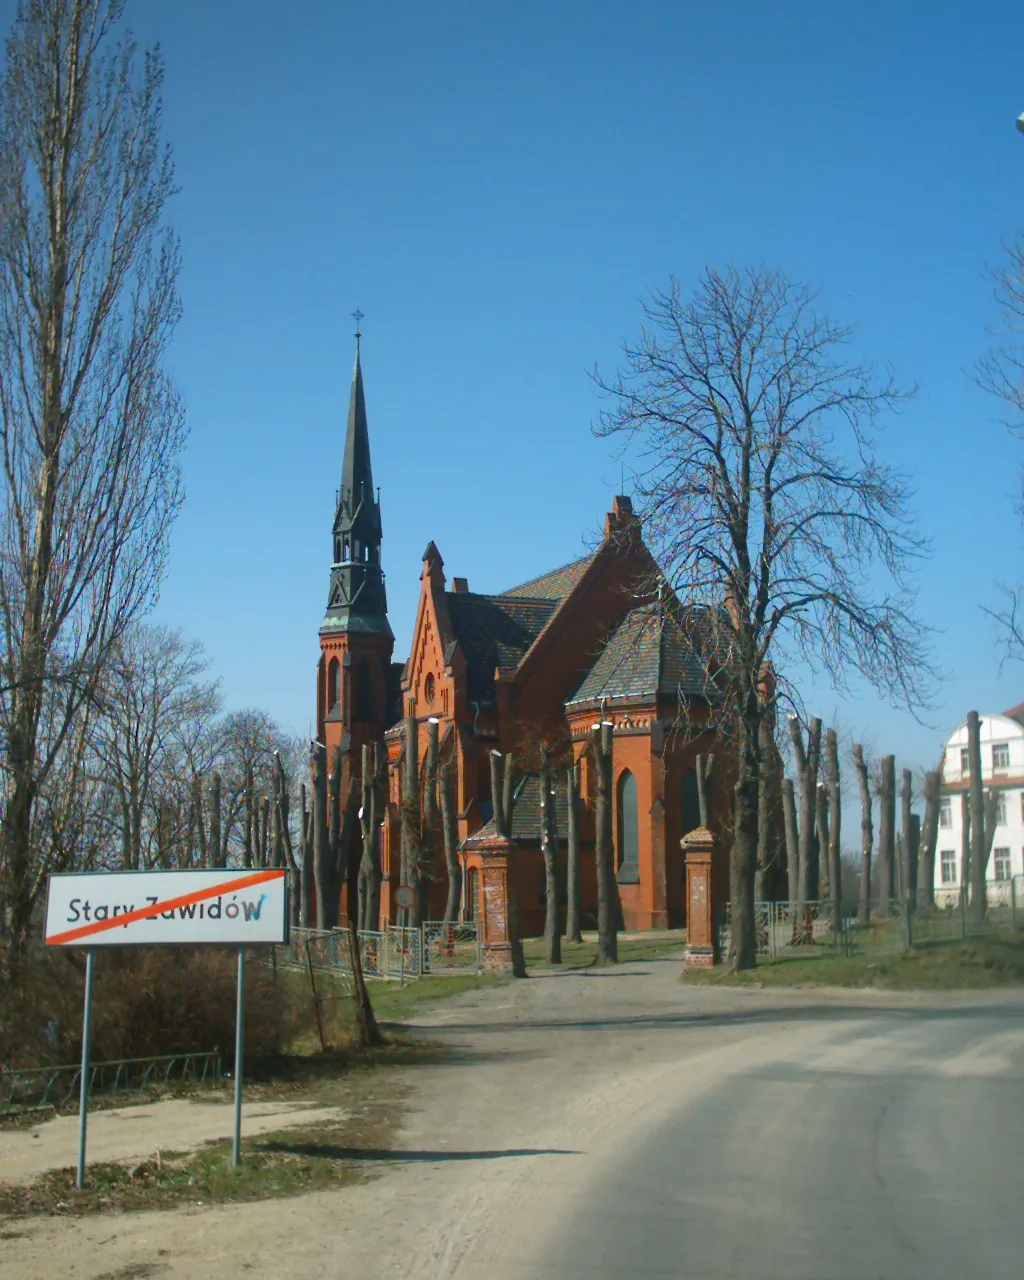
(867, 834)
(604, 851)
(792, 839)
(573, 887)
(446, 785)
(929, 839)
(503, 804)
(91, 426)
(808, 763)
(153, 709)
(834, 855)
(549, 850)
(979, 858)
(766, 502)
(1001, 372)
(886, 834)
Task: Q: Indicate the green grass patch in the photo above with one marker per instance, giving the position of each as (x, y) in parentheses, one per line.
(283, 1163)
(580, 955)
(949, 964)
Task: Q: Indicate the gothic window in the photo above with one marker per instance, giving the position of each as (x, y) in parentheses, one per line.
(628, 832)
(364, 690)
(344, 554)
(333, 684)
(690, 809)
(337, 550)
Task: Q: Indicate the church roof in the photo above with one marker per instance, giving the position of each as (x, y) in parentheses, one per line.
(555, 585)
(526, 811)
(646, 654)
(494, 631)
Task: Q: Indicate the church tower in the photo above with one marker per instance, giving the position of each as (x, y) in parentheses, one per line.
(356, 640)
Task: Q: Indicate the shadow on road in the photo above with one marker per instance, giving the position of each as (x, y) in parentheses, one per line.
(406, 1157)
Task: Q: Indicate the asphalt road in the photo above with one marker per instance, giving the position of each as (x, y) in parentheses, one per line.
(893, 1151)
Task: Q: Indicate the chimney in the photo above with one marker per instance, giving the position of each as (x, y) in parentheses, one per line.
(621, 516)
(460, 585)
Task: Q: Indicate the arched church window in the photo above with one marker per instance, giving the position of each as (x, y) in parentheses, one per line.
(345, 550)
(690, 807)
(333, 684)
(337, 550)
(628, 843)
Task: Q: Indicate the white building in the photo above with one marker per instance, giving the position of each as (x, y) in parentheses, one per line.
(1002, 768)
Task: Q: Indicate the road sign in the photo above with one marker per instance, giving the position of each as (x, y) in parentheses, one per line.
(163, 908)
(193, 908)
(404, 897)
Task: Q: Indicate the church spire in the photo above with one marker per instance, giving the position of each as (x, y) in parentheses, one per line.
(357, 600)
(356, 474)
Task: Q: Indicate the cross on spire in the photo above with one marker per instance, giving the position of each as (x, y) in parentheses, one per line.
(358, 317)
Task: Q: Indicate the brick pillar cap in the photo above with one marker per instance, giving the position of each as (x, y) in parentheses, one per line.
(698, 839)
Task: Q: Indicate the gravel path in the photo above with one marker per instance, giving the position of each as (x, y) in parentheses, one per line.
(553, 1084)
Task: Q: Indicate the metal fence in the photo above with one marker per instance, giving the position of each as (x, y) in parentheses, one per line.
(46, 1088)
(785, 928)
(392, 953)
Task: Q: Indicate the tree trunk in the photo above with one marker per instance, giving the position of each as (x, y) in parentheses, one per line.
(411, 819)
(929, 839)
(808, 763)
(217, 849)
(453, 904)
(574, 905)
(886, 834)
(370, 876)
(321, 836)
(431, 822)
(978, 900)
(965, 850)
(549, 851)
(821, 830)
(306, 859)
(743, 932)
(867, 834)
(792, 839)
(834, 828)
(369, 1033)
(607, 890)
(909, 853)
(251, 818)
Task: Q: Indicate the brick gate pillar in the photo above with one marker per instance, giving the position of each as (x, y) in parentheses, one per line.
(698, 850)
(497, 921)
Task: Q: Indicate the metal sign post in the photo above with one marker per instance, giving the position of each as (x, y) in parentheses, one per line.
(209, 907)
(236, 1150)
(83, 1095)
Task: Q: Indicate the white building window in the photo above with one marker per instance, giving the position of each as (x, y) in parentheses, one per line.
(947, 866)
(1001, 809)
(946, 810)
(965, 763)
(1002, 861)
(1000, 755)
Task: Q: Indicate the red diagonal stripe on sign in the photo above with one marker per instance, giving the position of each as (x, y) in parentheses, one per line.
(171, 904)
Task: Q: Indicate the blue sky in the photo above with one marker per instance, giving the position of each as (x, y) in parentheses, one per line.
(496, 187)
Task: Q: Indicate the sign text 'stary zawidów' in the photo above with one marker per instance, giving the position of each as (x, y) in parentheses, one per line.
(134, 908)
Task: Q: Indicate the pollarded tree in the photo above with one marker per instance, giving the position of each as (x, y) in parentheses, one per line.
(765, 500)
(91, 426)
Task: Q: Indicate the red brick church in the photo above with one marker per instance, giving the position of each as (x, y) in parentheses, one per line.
(599, 638)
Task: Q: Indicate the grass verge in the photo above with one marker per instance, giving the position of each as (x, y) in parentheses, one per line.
(580, 955)
(284, 1163)
(942, 965)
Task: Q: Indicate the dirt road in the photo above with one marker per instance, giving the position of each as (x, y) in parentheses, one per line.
(557, 1087)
